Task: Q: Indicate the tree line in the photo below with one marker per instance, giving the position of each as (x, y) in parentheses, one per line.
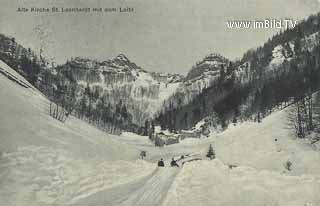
(59, 83)
(265, 89)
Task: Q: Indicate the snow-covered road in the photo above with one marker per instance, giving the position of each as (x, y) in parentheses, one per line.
(152, 193)
(147, 191)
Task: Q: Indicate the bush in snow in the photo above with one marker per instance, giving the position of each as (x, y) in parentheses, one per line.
(143, 154)
(288, 165)
(211, 154)
(232, 166)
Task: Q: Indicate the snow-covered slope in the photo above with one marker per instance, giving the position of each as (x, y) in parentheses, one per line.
(25, 115)
(250, 168)
(46, 162)
(212, 183)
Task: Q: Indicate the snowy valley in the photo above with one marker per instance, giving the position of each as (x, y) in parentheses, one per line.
(242, 132)
(47, 162)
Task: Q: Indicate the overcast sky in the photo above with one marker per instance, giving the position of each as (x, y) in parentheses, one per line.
(166, 35)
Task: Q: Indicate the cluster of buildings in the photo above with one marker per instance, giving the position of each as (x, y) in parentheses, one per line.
(161, 138)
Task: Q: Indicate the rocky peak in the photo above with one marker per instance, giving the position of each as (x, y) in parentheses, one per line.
(215, 57)
(209, 66)
(214, 61)
(122, 63)
(122, 57)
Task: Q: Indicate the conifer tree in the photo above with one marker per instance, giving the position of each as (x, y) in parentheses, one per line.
(211, 153)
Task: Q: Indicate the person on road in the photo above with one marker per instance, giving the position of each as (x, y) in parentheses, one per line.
(160, 163)
(174, 163)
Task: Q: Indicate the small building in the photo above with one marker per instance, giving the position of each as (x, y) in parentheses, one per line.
(205, 130)
(158, 140)
(166, 139)
(190, 134)
(172, 140)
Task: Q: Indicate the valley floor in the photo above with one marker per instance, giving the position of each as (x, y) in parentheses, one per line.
(46, 162)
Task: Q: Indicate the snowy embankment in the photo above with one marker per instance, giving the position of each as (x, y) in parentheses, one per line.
(250, 169)
(46, 162)
(214, 183)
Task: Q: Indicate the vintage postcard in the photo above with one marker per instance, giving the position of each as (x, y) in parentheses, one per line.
(159, 103)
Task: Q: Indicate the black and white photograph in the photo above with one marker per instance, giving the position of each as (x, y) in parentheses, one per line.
(159, 103)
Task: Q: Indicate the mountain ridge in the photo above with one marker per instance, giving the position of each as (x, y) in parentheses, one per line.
(145, 94)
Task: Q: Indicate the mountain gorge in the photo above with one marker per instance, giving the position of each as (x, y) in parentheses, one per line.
(119, 80)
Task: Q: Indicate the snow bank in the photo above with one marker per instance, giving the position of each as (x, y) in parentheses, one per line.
(250, 168)
(45, 176)
(214, 183)
(268, 145)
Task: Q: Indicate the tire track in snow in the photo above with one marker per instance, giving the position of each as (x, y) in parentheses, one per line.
(147, 191)
(153, 192)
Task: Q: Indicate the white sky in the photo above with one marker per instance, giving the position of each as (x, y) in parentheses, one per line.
(166, 35)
